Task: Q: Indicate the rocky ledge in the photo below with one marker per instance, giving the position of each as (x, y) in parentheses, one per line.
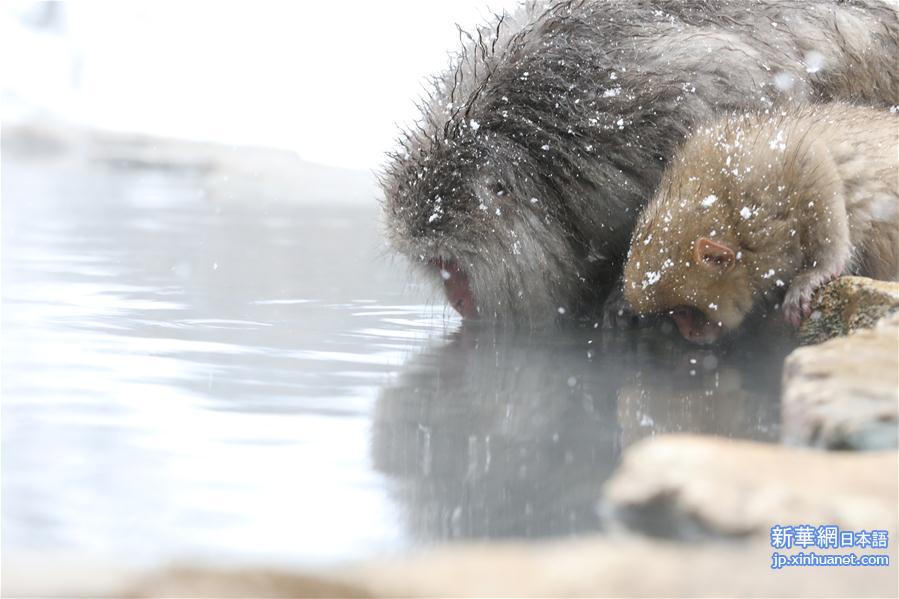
(609, 566)
(844, 393)
(848, 304)
(699, 488)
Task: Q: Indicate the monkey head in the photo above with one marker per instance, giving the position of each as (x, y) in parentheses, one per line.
(706, 292)
(476, 220)
(696, 276)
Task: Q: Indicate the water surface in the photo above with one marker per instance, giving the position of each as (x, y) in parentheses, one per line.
(199, 374)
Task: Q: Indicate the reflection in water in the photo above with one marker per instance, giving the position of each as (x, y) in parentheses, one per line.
(500, 434)
(207, 374)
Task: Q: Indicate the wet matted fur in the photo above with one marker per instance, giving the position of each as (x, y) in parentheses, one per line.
(537, 149)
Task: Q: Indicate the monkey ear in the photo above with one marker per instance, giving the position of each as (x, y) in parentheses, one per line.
(713, 255)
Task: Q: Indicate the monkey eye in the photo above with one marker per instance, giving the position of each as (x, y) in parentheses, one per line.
(497, 188)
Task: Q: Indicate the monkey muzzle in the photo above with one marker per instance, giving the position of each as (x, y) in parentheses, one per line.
(694, 326)
(456, 286)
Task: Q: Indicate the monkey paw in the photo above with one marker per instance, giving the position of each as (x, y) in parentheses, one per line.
(797, 304)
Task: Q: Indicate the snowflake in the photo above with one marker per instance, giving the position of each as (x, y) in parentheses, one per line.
(651, 278)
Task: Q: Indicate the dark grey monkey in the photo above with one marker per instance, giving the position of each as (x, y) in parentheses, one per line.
(536, 150)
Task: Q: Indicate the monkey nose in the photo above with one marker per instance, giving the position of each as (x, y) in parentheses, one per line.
(456, 286)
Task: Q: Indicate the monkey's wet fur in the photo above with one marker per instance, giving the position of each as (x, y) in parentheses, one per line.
(519, 187)
(762, 208)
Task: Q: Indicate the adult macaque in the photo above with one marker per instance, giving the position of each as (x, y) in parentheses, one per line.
(519, 188)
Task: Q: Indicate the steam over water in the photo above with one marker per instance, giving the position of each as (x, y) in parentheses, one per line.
(194, 375)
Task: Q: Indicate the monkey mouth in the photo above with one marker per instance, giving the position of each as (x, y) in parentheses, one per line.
(695, 326)
(456, 286)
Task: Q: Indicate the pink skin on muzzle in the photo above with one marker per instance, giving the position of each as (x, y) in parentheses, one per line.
(455, 284)
(694, 326)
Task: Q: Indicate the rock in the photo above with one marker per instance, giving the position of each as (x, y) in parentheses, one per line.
(694, 488)
(56, 574)
(614, 566)
(847, 304)
(596, 566)
(195, 581)
(844, 393)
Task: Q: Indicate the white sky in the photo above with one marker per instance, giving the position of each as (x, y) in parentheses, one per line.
(327, 79)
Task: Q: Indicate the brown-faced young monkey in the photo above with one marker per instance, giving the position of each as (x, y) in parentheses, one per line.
(759, 203)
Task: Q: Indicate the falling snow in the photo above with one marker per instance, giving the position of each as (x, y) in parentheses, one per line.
(814, 62)
(783, 81)
(778, 142)
(651, 278)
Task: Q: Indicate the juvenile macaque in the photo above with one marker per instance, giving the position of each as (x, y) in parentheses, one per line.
(520, 185)
(756, 205)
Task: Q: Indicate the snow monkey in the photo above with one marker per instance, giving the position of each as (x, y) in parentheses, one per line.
(760, 207)
(519, 187)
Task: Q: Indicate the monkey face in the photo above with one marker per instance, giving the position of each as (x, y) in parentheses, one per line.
(719, 297)
(706, 292)
(457, 287)
(485, 227)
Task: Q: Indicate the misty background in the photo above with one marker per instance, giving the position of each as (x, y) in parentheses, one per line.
(330, 81)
